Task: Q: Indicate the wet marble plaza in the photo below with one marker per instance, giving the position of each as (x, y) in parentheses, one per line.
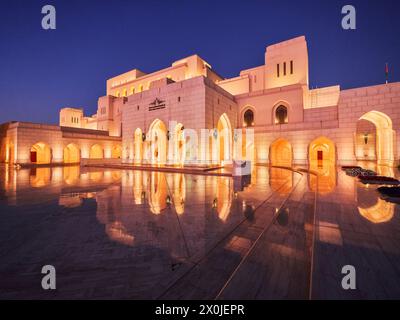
(126, 234)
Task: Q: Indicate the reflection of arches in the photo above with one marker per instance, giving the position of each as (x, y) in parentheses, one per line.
(223, 201)
(138, 145)
(281, 180)
(158, 192)
(158, 142)
(384, 136)
(281, 153)
(71, 154)
(40, 177)
(373, 208)
(248, 118)
(179, 193)
(116, 152)
(224, 138)
(71, 174)
(96, 152)
(41, 153)
(179, 145)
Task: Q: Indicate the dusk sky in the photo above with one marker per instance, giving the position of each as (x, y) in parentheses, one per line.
(42, 71)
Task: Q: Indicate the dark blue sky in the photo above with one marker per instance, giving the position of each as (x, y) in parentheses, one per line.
(42, 71)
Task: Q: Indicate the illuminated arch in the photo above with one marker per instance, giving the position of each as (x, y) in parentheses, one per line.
(72, 154)
(321, 150)
(116, 152)
(281, 153)
(224, 138)
(96, 152)
(40, 153)
(384, 136)
(158, 142)
(322, 161)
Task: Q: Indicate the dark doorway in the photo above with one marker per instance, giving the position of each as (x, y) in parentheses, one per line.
(33, 156)
(320, 155)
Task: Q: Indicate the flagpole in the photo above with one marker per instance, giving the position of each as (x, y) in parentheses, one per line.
(387, 72)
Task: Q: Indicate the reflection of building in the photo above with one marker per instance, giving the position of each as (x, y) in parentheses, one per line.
(372, 207)
(151, 118)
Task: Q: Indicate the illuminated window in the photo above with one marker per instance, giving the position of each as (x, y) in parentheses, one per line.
(291, 66)
(117, 94)
(125, 93)
(132, 90)
(277, 70)
(248, 118)
(140, 88)
(281, 115)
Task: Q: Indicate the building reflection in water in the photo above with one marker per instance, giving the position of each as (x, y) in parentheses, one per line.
(281, 180)
(40, 177)
(371, 206)
(327, 176)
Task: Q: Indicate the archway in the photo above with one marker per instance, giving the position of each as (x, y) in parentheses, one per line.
(96, 152)
(72, 154)
(322, 160)
(179, 145)
(281, 153)
(224, 142)
(321, 151)
(40, 153)
(384, 136)
(138, 145)
(158, 142)
(365, 141)
(116, 152)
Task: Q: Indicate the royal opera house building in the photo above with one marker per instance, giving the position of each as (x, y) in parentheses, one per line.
(187, 115)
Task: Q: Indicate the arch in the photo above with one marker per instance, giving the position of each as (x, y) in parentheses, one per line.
(179, 145)
(280, 113)
(96, 152)
(248, 118)
(158, 142)
(281, 153)
(320, 151)
(224, 142)
(72, 154)
(41, 153)
(138, 145)
(116, 152)
(384, 136)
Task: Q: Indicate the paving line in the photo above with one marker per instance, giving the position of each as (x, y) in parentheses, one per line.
(266, 228)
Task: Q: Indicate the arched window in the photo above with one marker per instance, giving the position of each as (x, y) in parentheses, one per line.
(248, 118)
(281, 116)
